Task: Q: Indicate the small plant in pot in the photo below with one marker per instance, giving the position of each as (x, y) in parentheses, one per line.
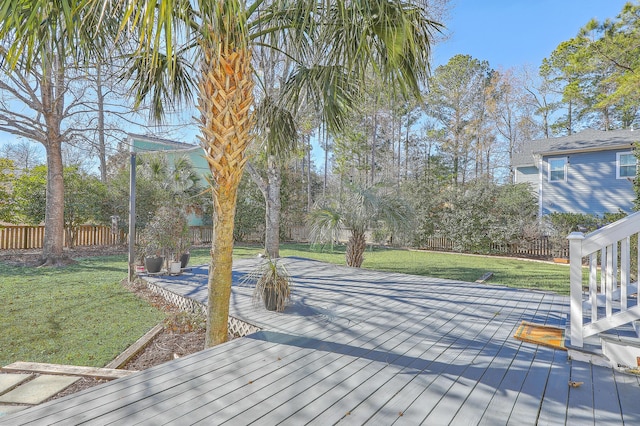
(272, 285)
(183, 246)
(168, 233)
(150, 254)
(178, 238)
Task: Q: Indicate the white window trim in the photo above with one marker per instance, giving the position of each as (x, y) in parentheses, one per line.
(566, 168)
(618, 154)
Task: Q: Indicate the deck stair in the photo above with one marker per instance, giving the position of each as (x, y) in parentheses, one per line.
(605, 309)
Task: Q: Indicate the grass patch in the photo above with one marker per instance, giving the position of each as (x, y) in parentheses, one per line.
(78, 315)
(508, 272)
(202, 256)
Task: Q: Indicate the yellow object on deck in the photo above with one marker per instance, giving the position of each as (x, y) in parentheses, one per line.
(545, 335)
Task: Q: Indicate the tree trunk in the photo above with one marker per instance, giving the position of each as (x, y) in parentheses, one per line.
(52, 247)
(374, 141)
(52, 87)
(270, 190)
(225, 99)
(309, 199)
(272, 211)
(220, 268)
(326, 162)
(102, 149)
(355, 249)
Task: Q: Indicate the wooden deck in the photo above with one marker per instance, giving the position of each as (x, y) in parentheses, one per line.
(358, 346)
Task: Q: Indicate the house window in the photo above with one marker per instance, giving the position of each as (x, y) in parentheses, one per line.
(626, 165)
(558, 169)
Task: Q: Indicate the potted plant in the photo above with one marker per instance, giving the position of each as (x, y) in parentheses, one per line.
(272, 285)
(150, 252)
(177, 237)
(167, 233)
(183, 246)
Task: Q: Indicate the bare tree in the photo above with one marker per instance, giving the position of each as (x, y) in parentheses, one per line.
(49, 99)
(25, 155)
(510, 108)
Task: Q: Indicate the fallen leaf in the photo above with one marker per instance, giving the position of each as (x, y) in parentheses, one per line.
(575, 384)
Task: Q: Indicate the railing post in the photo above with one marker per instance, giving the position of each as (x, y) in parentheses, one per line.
(575, 259)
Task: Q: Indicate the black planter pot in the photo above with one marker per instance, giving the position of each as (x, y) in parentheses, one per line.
(270, 297)
(153, 264)
(184, 260)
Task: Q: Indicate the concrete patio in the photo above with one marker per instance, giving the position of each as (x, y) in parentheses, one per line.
(358, 346)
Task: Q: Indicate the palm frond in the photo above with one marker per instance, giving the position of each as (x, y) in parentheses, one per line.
(392, 37)
(324, 224)
(277, 127)
(395, 213)
(165, 82)
(328, 88)
(37, 29)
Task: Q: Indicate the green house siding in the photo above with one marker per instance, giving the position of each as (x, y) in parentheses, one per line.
(174, 150)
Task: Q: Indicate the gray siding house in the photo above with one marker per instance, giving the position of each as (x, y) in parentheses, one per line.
(589, 172)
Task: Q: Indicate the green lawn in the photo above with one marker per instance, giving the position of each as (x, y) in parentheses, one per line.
(81, 315)
(77, 315)
(508, 272)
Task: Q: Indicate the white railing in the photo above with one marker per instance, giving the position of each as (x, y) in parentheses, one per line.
(607, 249)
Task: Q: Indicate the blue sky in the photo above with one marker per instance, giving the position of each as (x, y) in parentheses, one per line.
(506, 33)
(511, 33)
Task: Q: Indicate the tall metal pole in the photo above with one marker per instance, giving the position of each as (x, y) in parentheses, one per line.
(132, 215)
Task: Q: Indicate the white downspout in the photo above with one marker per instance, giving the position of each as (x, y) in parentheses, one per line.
(540, 177)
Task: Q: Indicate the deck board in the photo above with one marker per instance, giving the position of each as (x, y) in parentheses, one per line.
(448, 406)
(528, 402)
(628, 387)
(580, 405)
(553, 409)
(357, 346)
(605, 398)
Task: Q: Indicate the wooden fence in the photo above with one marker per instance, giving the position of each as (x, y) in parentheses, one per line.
(542, 247)
(31, 237)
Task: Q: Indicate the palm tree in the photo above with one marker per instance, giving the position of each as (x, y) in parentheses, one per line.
(391, 37)
(358, 211)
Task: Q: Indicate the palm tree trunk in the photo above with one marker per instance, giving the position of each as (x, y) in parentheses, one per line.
(355, 249)
(220, 267)
(225, 98)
